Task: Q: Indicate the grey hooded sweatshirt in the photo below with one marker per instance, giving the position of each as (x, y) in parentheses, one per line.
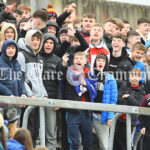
(31, 65)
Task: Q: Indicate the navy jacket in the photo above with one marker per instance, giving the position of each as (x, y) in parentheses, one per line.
(10, 69)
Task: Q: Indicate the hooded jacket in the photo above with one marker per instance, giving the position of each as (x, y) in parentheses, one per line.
(50, 69)
(10, 74)
(12, 144)
(110, 91)
(5, 27)
(31, 65)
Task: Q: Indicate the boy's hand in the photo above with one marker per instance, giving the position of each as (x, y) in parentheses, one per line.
(70, 34)
(55, 109)
(33, 97)
(83, 82)
(71, 8)
(28, 25)
(23, 96)
(125, 96)
(65, 59)
(10, 8)
(143, 131)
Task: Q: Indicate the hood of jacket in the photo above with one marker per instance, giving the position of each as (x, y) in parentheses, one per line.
(46, 37)
(5, 27)
(27, 42)
(12, 144)
(5, 44)
(52, 23)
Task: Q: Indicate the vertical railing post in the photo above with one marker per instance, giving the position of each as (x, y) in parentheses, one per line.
(26, 116)
(112, 131)
(128, 131)
(42, 126)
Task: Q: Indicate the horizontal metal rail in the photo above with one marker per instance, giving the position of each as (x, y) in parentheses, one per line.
(75, 105)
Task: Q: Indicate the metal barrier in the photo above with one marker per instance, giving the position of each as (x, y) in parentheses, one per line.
(77, 105)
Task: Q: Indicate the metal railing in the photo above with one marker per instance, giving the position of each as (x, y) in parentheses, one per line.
(77, 105)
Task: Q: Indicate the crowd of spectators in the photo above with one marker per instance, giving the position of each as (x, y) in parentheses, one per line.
(46, 55)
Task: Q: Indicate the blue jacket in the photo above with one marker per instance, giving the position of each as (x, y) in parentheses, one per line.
(14, 145)
(110, 94)
(141, 66)
(10, 84)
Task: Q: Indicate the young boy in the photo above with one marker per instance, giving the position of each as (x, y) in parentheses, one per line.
(11, 83)
(132, 38)
(112, 27)
(119, 62)
(52, 27)
(106, 93)
(40, 18)
(130, 93)
(78, 87)
(97, 45)
(87, 22)
(17, 14)
(126, 28)
(26, 10)
(51, 83)
(137, 53)
(143, 29)
(32, 68)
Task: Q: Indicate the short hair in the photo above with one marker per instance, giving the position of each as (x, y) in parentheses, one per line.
(125, 21)
(80, 54)
(38, 35)
(142, 20)
(116, 21)
(101, 56)
(136, 72)
(138, 46)
(98, 25)
(132, 33)
(43, 15)
(41, 148)
(119, 36)
(24, 6)
(17, 11)
(89, 15)
(76, 21)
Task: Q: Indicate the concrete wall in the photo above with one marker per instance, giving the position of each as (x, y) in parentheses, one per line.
(103, 9)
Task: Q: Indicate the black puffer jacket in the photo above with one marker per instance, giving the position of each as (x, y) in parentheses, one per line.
(121, 66)
(67, 48)
(50, 70)
(135, 96)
